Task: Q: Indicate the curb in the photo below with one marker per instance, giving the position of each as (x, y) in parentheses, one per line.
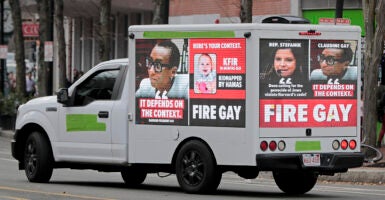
(6, 133)
(358, 175)
(362, 175)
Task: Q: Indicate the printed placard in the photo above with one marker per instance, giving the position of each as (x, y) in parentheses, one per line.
(284, 69)
(308, 113)
(197, 82)
(162, 82)
(308, 83)
(217, 82)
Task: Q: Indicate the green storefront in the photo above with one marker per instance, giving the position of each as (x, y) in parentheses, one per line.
(355, 15)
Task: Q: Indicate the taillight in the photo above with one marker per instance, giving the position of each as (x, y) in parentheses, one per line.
(263, 146)
(352, 144)
(272, 145)
(344, 144)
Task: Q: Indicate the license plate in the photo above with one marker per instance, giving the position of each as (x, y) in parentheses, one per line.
(311, 159)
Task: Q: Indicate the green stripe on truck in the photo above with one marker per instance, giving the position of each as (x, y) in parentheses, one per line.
(84, 122)
(308, 146)
(192, 34)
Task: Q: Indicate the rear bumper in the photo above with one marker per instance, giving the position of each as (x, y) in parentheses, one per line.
(330, 163)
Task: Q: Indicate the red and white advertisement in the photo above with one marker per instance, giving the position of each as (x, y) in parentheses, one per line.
(162, 82)
(217, 82)
(161, 108)
(229, 65)
(308, 113)
(308, 87)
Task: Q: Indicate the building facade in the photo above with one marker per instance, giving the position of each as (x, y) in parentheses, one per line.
(227, 11)
(82, 18)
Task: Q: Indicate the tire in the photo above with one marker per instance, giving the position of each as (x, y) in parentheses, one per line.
(133, 177)
(196, 169)
(294, 182)
(38, 159)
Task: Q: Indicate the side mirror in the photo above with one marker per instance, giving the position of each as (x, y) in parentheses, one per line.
(62, 96)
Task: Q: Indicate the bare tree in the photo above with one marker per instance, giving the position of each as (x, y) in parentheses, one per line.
(105, 28)
(246, 13)
(374, 41)
(19, 47)
(61, 43)
(161, 12)
(44, 26)
(339, 8)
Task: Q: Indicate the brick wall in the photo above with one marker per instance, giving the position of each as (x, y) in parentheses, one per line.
(226, 8)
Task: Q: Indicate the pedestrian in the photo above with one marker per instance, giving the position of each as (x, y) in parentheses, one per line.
(381, 118)
(11, 82)
(30, 85)
(77, 75)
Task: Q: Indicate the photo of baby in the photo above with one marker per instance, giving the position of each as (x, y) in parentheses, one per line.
(205, 75)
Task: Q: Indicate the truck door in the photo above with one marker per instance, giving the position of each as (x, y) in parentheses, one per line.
(85, 125)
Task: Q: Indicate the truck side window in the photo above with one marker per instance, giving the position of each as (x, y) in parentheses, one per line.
(97, 87)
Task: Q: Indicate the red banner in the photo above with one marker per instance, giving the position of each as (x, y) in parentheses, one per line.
(161, 108)
(281, 113)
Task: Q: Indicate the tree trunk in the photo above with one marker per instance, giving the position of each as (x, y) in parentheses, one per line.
(246, 13)
(43, 10)
(339, 8)
(19, 46)
(374, 45)
(104, 44)
(161, 12)
(61, 43)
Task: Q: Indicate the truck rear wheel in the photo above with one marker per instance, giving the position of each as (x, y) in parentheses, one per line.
(133, 176)
(196, 169)
(38, 159)
(293, 182)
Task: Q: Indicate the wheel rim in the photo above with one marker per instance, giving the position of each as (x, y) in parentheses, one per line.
(31, 158)
(192, 168)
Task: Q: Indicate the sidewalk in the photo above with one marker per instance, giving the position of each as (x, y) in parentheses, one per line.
(373, 173)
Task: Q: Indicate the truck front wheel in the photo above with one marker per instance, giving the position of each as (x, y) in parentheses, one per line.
(38, 159)
(196, 169)
(295, 182)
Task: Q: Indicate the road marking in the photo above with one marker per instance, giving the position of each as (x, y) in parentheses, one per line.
(63, 194)
(13, 198)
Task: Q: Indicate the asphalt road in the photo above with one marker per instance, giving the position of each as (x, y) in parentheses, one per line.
(88, 184)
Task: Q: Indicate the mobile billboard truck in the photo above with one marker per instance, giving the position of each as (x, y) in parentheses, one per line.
(201, 100)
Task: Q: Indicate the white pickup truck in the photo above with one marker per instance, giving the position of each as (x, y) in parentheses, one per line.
(200, 100)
